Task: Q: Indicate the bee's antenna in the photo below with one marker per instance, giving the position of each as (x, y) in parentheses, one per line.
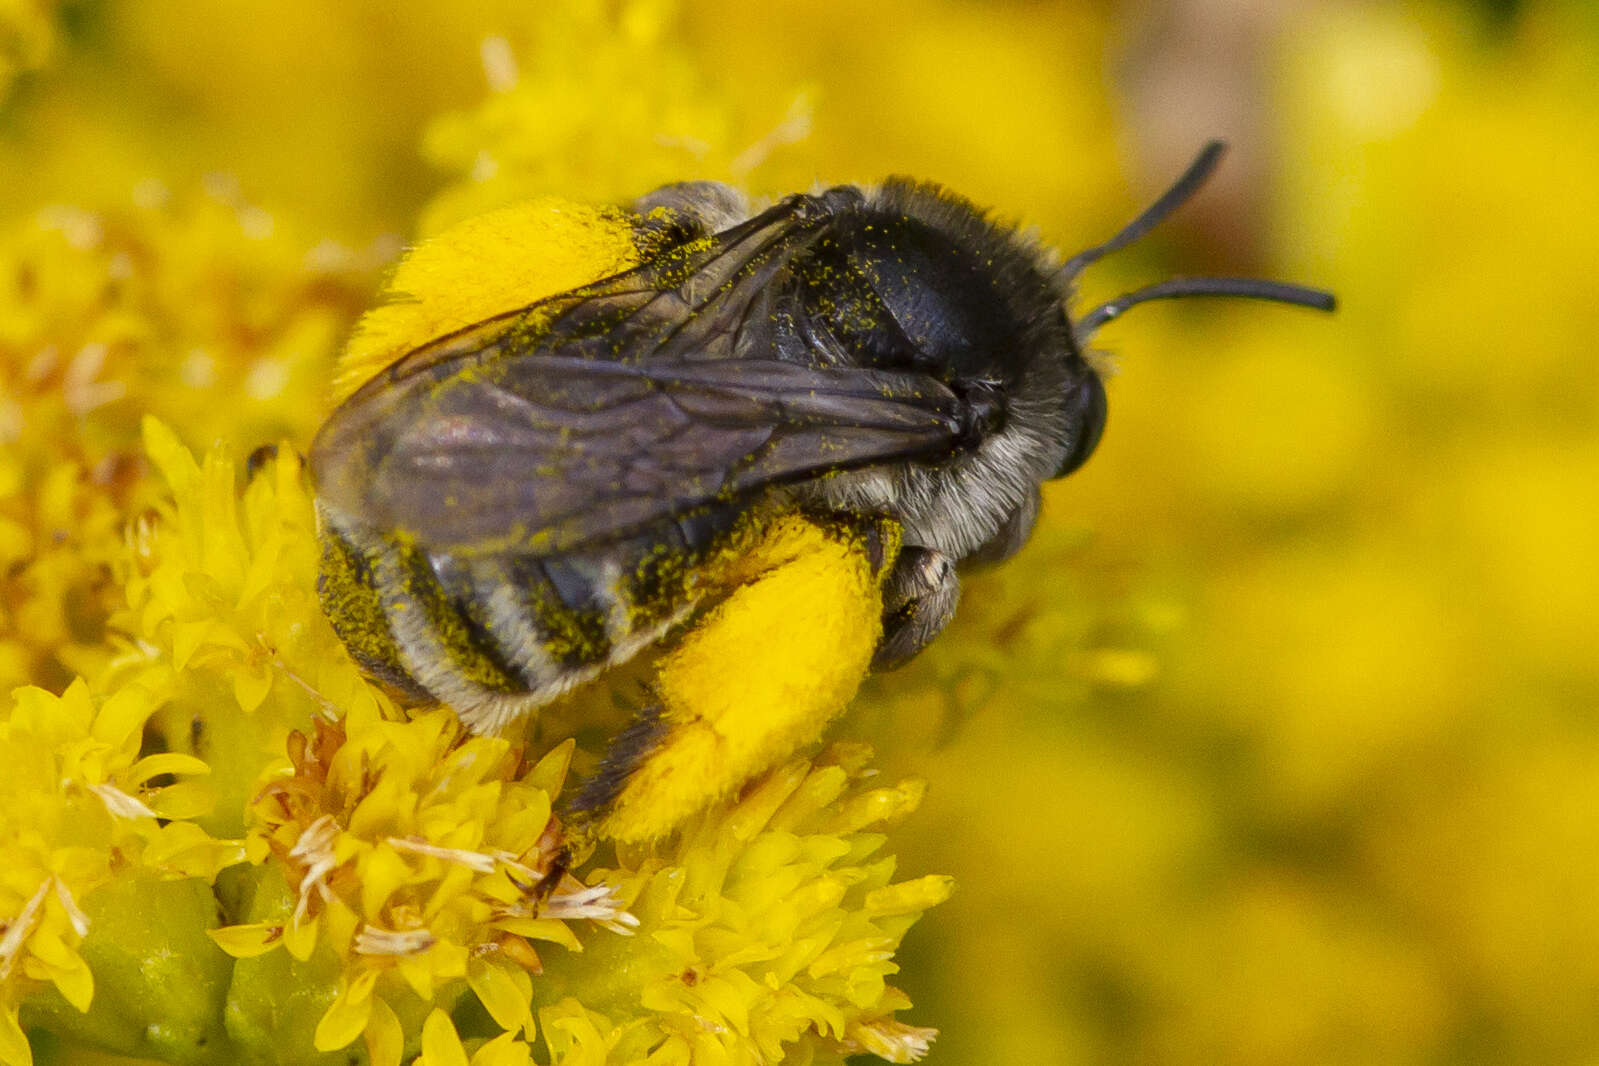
(1197, 174)
(1250, 288)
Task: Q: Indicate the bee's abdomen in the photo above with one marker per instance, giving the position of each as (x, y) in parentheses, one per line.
(494, 636)
(353, 603)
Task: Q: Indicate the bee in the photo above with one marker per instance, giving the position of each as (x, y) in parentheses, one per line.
(765, 438)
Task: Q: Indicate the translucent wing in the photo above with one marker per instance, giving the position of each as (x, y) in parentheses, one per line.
(600, 411)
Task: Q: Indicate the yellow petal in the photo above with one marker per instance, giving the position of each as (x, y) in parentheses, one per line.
(185, 848)
(894, 1041)
(382, 874)
(14, 1049)
(186, 799)
(440, 1045)
(247, 941)
(75, 983)
(177, 466)
(46, 945)
(187, 638)
(167, 762)
(503, 1050)
(550, 772)
(121, 716)
(501, 997)
(385, 1040)
(910, 897)
(256, 849)
(347, 1018)
(730, 995)
(878, 805)
(300, 940)
(417, 971)
(250, 688)
(548, 929)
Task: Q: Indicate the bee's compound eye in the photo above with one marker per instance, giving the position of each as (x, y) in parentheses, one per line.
(1086, 410)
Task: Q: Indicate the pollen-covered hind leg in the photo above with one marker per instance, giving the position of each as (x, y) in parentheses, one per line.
(758, 677)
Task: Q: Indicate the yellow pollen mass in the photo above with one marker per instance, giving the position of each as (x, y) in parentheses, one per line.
(483, 267)
(762, 673)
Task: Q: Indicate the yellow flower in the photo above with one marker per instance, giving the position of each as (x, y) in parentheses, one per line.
(441, 1046)
(79, 808)
(156, 309)
(420, 858)
(767, 929)
(399, 866)
(601, 104)
(27, 40)
(222, 612)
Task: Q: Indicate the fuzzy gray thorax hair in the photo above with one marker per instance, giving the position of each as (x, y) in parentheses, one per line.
(960, 505)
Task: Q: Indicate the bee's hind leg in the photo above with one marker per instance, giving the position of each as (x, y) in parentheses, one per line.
(756, 678)
(627, 750)
(918, 601)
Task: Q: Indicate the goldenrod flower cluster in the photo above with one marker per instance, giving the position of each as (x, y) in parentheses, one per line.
(221, 839)
(389, 880)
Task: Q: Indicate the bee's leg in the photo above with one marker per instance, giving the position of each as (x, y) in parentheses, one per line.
(758, 677)
(918, 601)
(627, 750)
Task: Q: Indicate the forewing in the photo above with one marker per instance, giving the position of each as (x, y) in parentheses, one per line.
(548, 453)
(596, 412)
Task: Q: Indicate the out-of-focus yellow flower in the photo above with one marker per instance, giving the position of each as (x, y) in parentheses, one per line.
(60, 527)
(27, 38)
(111, 316)
(159, 308)
(600, 105)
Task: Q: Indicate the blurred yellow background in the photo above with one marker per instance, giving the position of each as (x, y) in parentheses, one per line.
(1280, 743)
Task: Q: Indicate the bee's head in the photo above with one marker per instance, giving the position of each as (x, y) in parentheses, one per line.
(983, 308)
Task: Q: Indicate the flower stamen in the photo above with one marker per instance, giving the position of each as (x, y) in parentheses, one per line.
(598, 903)
(472, 860)
(120, 804)
(374, 941)
(21, 927)
(315, 851)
